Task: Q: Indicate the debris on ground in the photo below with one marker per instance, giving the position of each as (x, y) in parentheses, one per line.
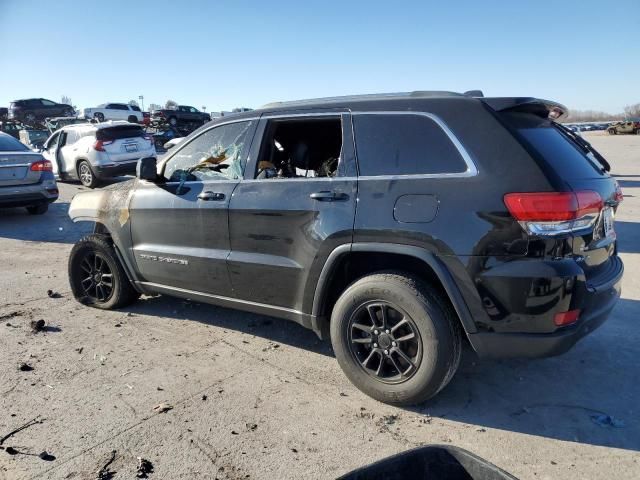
(272, 346)
(30, 423)
(233, 432)
(79, 350)
(52, 294)
(162, 408)
(342, 394)
(388, 419)
(252, 427)
(37, 325)
(204, 397)
(104, 473)
(145, 467)
(25, 367)
(605, 420)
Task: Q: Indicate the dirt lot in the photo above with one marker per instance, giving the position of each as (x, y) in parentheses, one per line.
(255, 397)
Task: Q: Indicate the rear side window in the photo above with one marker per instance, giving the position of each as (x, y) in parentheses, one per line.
(117, 133)
(134, 108)
(10, 144)
(399, 144)
(555, 148)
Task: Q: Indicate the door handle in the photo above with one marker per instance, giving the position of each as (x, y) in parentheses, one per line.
(327, 196)
(211, 196)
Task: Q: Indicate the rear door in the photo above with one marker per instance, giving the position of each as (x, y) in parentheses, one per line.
(285, 220)
(179, 227)
(15, 163)
(123, 143)
(50, 151)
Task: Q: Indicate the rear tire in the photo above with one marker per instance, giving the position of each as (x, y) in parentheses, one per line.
(69, 113)
(173, 121)
(132, 119)
(96, 276)
(417, 325)
(30, 118)
(86, 175)
(38, 209)
(99, 116)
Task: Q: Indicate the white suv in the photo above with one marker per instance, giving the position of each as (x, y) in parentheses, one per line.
(90, 152)
(114, 111)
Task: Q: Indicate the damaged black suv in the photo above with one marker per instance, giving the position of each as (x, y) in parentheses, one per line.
(398, 225)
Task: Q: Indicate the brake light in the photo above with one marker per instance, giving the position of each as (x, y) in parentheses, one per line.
(618, 196)
(566, 318)
(41, 166)
(99, 145)
(550, 213)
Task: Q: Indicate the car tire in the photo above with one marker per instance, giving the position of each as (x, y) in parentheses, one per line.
(68, 113)
(38, 209)
(30, 118)
(132, 119)
(99, 116)
(173, 121)
(611, 131)
(86, 175)
(430, 339)
(96, 276)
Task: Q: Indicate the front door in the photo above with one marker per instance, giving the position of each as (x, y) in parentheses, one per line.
(295, 205)
(179, 227)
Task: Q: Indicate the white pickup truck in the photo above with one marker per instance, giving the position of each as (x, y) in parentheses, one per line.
(114, 111)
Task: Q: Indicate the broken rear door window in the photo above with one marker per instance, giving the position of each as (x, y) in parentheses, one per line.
(215, 154)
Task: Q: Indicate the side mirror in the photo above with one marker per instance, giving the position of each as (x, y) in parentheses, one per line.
(146, 169)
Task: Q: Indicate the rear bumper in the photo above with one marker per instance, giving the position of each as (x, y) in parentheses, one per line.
(115, 170)
(595, 303)
(27, 195)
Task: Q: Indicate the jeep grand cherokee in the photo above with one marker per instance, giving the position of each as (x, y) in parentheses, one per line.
(398, 225)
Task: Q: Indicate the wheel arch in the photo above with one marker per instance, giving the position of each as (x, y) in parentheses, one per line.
(338, 273)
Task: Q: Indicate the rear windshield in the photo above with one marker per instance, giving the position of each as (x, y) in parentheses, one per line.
(553, 146)
(116, 133)
(10, 144)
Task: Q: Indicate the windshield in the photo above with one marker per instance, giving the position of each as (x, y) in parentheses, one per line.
(10, 144)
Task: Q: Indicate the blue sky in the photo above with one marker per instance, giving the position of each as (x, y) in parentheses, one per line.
(239, 53)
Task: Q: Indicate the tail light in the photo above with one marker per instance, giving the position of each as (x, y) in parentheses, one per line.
(100, 144)
(562, 319)
(553, 213)
(41, 166)
(618, 195)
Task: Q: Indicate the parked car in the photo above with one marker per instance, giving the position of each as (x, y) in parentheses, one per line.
(26, 178)
(258, 212)
(11, 128)
(34, 139)
(115, 111)
(92, 152)
(181, 115)
(4, 113)
(619, 128)
(35, 110)
(162, 137)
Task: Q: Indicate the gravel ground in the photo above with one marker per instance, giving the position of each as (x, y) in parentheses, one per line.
(256, 397)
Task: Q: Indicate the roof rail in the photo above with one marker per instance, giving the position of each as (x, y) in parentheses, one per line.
(371, 96)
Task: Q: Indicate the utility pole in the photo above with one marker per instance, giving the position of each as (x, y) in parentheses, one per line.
(141, 98)
(204, 109)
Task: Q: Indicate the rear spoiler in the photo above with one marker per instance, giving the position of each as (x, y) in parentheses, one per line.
(542, 108)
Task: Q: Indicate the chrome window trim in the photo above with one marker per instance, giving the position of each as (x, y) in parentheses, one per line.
(471, 170)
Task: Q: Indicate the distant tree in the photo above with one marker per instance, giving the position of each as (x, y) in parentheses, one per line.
(154, 106)
(590, 116)
(66, 100)
(632, 111)
(171, 105)
(133, 103)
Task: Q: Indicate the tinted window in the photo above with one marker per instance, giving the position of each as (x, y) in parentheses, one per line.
(193, 110)
(116, 133)
(48, 103)
(560, 152)
(214, 155)
(10, 144)
(134, 108)
(404, 145)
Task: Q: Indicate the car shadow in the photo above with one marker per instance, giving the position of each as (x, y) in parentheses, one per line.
(628, 235)
(553, 397)
(55, 226)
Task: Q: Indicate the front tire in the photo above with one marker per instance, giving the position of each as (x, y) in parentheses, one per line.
(30, 118)
(99, 116)
(96, 276)
(86, 175)
(173, 121)
(396, 338)
(38, 209)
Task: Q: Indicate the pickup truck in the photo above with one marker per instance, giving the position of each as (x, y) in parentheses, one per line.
(114, 111)
(181, 115)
